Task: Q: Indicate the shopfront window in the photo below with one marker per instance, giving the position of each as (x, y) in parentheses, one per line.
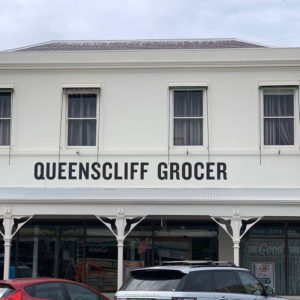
(87, 251)
(49, 251)
(266, 259)
(264, 253)
(294, 257)
(101, 263)
(168, 250)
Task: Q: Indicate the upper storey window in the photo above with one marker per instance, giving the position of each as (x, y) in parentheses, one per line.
(5, 117)
(188, 118)
(279, 116)
(82, 117)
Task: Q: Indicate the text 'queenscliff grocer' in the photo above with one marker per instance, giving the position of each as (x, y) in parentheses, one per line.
(129, 171)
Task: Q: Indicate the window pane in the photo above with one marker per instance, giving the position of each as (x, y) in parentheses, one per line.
(188, 132)
(188, 104)
(82, 132)
(279, 131)
(294, 266)
(250, 283)
(195, 104)
(82, 106)
(4, 132)
(198, 282)
(49, 290)
(77, 291)
(266, 250)
(226, 282)
(278, 105)
(101, 264)
(5, 105)
(180, 103)
(294, 230)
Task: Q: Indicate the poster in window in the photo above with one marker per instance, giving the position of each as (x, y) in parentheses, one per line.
(265, 272)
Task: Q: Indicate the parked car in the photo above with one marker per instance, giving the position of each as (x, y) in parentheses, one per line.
(47, 288)
(194, 280)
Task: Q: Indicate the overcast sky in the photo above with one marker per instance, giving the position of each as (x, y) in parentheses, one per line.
(27, 22)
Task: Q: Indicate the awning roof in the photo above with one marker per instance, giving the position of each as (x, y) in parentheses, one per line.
(149, 194)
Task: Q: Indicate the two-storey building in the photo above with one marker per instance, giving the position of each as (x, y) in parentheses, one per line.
(116, 154)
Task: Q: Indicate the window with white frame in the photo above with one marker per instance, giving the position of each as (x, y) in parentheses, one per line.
(5, 116)
(188, 117)
(82, 116)
(278, 116)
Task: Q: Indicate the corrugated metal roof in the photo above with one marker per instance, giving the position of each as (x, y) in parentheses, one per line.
(140, 45)
(150, 194)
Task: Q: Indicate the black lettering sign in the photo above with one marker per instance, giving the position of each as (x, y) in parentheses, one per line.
(39, 171)
(129, 171)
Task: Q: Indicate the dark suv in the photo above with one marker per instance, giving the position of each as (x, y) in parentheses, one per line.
(192, 281)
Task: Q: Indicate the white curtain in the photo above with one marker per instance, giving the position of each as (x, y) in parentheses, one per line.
(279, 131)
(188, 105)
(82, 123)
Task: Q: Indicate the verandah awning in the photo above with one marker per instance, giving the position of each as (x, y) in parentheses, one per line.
(159, 195)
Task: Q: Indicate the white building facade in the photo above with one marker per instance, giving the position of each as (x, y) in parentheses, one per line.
(121, 154)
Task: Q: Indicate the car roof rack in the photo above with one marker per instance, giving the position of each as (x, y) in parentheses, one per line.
(199, 263)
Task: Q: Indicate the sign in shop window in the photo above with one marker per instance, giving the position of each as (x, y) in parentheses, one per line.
(265, 272)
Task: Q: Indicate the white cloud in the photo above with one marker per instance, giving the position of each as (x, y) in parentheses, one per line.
(24, 22)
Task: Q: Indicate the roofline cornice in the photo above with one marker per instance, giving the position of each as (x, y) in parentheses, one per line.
(155, 59)
(149, 65)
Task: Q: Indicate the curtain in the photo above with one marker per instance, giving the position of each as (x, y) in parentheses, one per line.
(5, 115)
(188, 114)
(82, 122)
(188, 132)
(277, 130)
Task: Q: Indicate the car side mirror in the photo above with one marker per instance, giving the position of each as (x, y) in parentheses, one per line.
(269, 291)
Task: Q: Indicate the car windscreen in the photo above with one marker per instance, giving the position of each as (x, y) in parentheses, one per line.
(153, 280)
(5, 290)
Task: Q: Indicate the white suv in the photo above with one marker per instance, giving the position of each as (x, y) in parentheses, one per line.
(194, 281)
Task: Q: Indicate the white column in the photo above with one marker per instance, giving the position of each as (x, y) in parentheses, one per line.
(7, 247)
(236, 252)
(8, 234)
(236, 222)
(119, 233)
(120, 262)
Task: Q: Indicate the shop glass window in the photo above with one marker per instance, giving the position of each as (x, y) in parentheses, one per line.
(278, 115)
(137, 253)
(82, 117)
(168, 250)
(264, 250)
(294, 230)
(267, 230)
(5, 117)
(294, 266)
(101, 261)
(188, 118)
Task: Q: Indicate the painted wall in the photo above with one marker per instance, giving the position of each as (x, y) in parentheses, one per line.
(134, 122)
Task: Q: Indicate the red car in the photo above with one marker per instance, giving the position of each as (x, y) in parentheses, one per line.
(47, 288)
